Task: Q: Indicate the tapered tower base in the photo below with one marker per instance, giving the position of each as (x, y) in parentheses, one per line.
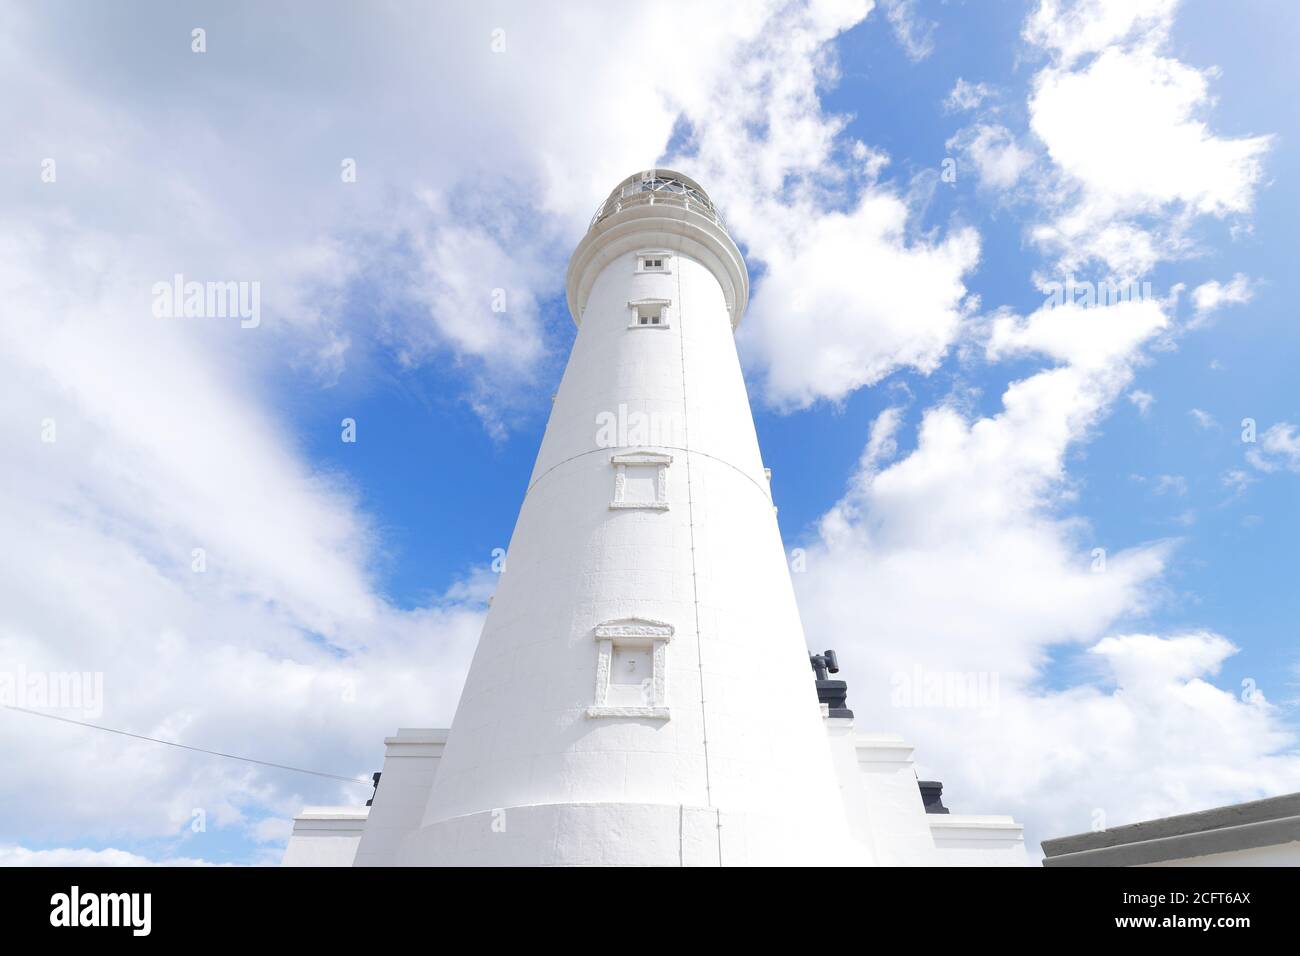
(621, 834)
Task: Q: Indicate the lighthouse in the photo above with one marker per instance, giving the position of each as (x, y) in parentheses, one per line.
(641, 693)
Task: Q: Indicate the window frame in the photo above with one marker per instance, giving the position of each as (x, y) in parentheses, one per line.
(650, 308)
(620, 463)
(662, 255)
(632, 632)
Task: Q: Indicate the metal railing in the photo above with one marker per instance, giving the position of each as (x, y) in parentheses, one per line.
(658, 190)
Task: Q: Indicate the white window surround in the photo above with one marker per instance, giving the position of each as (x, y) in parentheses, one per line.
(650, 310)
(641, 460)
(632, 633)
(648, 256)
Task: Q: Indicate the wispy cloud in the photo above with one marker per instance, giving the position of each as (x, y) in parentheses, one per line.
(1142, 400)
(915, 33)
(966, 95)
(1213, 295)
(1278, 448)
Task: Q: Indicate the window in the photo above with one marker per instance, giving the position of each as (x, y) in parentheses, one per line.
(631, 669)
(641, 480)
(652, 262)
(631, 673)
(649, 313)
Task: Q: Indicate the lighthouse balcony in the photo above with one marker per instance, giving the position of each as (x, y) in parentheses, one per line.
(658, 186)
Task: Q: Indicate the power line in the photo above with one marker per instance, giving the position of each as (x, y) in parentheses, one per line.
(172, 743)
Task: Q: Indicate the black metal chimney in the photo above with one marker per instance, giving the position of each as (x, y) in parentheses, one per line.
(833, 693)
(932, 796)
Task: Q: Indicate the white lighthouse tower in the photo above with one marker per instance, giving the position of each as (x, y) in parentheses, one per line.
(641, 692)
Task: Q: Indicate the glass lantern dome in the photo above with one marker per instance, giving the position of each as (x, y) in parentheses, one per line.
(658, 186)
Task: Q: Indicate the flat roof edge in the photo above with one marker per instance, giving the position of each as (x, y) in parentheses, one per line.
(1270, 810)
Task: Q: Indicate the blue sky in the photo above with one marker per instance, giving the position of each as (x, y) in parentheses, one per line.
(945, 454)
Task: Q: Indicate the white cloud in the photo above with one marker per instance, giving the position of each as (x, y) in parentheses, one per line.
(973, 490)
(1126, 130)
(1143, 400)
(1278, 447)
(966, 95)
(1073, 30)
(817, 327)
(11, 855)
(965, 561)
(1167, 484)
(1095, 339)
(485, 189)
(871, 161)
(1237, 480)
(998, 159)
(1213, 295)
(914, 33)
(850, 300)
(1203, 419)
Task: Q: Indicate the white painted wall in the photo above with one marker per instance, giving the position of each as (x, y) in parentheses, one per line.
(964, 839)
(886, 812)
(325, 836)
(410, 764)
(877, 783)
(900, 832)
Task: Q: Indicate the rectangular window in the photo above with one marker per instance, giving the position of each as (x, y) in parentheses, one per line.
(641, 480)
(632, 669)
(649, 313)
(631, 675)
